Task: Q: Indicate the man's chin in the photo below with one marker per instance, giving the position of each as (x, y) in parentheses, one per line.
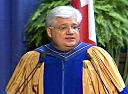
(71, 45)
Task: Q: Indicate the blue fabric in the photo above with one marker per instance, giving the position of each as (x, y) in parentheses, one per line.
(14, 15)
(63, 71)
(125, 91)
(4, 93)
(65, 56)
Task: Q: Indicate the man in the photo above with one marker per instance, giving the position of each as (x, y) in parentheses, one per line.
(66, 65)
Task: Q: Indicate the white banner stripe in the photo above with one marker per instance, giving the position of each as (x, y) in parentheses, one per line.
(92, 33)
(83, 2)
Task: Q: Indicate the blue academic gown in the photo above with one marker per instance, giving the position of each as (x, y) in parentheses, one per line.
(63, 70)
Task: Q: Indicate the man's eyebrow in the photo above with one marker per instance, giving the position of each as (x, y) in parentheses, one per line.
(74, 24)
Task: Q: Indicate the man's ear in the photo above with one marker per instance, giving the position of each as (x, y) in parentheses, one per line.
(49, 32)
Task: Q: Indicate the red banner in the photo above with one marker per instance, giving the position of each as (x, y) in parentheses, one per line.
(87, 26)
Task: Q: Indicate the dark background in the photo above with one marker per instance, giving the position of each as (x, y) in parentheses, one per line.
(14, 15)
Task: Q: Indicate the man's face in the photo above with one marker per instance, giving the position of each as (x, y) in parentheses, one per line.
(65, 33)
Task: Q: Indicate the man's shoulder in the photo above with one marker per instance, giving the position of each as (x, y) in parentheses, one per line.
(32, 54)
(83, 44)
(41, 48)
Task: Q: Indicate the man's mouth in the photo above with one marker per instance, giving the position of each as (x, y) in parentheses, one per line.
(70, 38)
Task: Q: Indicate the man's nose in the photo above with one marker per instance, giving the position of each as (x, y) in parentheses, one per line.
(70, 30)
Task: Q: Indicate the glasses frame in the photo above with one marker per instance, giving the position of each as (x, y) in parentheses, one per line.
(66, 28)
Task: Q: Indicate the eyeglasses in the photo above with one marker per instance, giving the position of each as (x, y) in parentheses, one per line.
(65, 28)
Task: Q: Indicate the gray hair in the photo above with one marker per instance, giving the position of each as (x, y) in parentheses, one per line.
(63, 12)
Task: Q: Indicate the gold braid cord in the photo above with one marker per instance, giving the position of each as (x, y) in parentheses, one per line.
(33, 84)
(100, 73)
